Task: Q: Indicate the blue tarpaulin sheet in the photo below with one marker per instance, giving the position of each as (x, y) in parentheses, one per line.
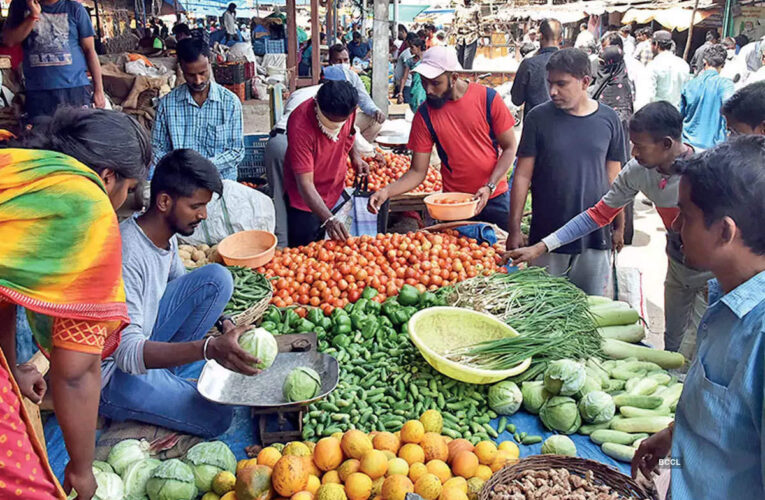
(242, 434)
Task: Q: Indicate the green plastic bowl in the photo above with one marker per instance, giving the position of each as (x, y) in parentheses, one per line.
(438, 330)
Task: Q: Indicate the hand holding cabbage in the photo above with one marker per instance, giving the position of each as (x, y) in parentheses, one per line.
(228, 352)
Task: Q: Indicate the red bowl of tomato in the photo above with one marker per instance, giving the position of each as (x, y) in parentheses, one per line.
(451, 206)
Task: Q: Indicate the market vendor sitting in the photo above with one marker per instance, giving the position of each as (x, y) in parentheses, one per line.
(468, 123)
(171, 310)
(370, 120)
(320, 136)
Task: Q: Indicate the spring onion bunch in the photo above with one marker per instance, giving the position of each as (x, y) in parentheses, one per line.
(550, 314)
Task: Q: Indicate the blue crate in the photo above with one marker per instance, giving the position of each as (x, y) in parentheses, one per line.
(253, 165)
(275, 47)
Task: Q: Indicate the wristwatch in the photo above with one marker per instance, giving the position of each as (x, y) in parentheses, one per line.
(221, 320)
(491, 186)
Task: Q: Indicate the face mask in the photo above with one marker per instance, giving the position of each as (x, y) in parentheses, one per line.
(328, 127)
(346, 66)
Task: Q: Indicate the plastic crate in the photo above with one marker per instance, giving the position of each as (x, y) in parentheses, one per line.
(274, 46)
(229, 73)
(253, 165)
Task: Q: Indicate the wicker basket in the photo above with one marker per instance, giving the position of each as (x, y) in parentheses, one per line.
(249, 315)
(602, 475)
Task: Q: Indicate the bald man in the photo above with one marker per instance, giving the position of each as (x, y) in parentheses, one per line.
(530, 84)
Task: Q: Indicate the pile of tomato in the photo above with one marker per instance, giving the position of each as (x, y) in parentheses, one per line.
(382, 174)
(330, 274)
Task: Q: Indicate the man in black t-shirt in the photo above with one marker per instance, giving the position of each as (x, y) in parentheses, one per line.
(571, 149)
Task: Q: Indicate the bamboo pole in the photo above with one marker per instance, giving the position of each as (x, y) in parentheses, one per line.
(690, 30)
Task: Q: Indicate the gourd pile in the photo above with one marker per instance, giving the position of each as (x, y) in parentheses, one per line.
(358, 466)
(616, 403)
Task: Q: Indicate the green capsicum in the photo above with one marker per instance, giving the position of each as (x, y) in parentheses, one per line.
(369, 327)
(339, 312)
(291, 318)
(428, 299)
(273, 314)
(373, 307)
(349, 307)
(356, 319)
(385, 321)
(270, 326)
(341, 324)
(315, 316)
(399, 317)
(341, 341)
(326, 323)
(389, 306)
(369, 293)
(360, 305)
(408, 296)
(304, 326)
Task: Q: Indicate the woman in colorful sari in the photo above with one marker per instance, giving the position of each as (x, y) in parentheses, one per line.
(60, 258)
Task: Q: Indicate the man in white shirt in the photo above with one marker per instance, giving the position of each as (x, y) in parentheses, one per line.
(627, 40)
(668, 73)
(229, 22)
(584, 38)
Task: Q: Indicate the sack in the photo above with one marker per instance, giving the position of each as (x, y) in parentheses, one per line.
(241, 208)
(628, 287)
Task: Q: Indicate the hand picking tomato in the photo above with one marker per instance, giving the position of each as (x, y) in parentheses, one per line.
(380, 175)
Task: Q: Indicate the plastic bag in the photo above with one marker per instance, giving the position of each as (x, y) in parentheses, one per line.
(628, 287)
(241, 208)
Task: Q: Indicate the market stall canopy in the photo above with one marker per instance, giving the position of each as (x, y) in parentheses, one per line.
(437, 16)
(671, 14)
(406, 12)
(245, 8)
(675, 17)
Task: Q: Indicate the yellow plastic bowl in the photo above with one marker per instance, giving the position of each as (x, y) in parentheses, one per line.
(438, 330)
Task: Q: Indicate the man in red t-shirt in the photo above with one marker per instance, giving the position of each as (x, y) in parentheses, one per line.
(320, 134)
(473, 133)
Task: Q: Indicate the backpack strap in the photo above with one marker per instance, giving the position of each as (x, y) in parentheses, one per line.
(490, 94)
(428, 123)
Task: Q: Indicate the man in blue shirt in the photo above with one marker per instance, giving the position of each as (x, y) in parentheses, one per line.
(57, 37)
(702, 98)
(200, 114)
(357, 48)
(716, 443)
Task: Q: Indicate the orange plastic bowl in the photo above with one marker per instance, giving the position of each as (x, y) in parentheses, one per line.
(248, 248)
(461, 206)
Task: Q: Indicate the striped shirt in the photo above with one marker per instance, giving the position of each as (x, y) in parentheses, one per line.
(213, 129)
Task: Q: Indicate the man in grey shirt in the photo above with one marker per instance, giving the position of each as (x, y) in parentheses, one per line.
(171, 310)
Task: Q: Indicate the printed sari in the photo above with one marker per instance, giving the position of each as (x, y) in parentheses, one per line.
(61, 259)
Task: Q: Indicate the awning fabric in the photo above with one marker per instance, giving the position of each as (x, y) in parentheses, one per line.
(406, 13)
(675, 18)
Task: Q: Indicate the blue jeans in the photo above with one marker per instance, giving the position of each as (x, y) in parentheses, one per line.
(188, 309)
(496, 211)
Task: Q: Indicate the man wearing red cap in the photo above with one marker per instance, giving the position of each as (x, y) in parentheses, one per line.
(472, 130)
